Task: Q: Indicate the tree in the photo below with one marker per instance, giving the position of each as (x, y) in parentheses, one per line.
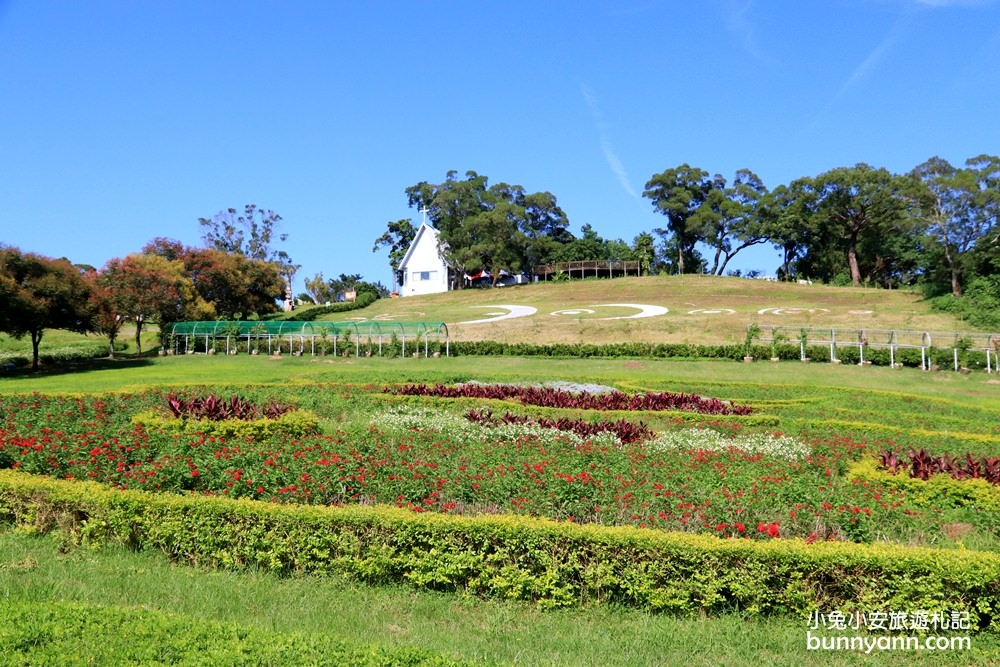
(237, 286)
(644, 250)
(398, 237)
(729, 220)
(318, 289)
(679, 193)
(959, 207)
(250, 234)
(853, 208)
(39, 293)
(149, 288)
(106, 319)
(489, 228)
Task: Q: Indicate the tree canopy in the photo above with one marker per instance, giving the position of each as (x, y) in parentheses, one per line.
(39, 293)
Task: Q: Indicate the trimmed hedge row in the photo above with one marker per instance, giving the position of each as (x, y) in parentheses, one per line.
(847, 354)
(60, 633)
(553, 564)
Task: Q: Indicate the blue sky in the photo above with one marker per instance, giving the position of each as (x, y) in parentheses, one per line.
(124, 121)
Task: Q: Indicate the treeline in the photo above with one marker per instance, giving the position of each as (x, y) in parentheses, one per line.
(238, 275)
(935, 226)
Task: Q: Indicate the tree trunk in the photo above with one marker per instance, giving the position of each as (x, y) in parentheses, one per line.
(36, 338)
(715, 263)
(138, 336)
(956, 285)
(852, 262)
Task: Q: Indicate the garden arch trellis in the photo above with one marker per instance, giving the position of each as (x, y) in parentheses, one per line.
(302, 337)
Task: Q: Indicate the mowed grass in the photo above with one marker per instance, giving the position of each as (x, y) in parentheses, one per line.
(701, 309)
(719, 377)
(41, 569)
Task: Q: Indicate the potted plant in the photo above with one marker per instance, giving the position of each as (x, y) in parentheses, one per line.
(778, 338)
(753, 331)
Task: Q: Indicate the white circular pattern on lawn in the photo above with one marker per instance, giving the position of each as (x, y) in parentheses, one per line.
(860, 312)
(644, 310)
(574, 311)
(712, 311)
(510, 313)
(792, 311)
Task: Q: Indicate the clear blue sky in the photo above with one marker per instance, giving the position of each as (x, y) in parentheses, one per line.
(121, 121)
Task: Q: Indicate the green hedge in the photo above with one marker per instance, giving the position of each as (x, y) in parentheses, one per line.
(364, 300)
(553, 564)
(939, 491)
(60, 633)
(846, 354)
(292, 424)
(70, 353)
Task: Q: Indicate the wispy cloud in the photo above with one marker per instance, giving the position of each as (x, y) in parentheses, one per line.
(609, 154)
(736, 15)
(858, 75)
(869, 63)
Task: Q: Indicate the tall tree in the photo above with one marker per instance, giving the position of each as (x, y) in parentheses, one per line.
(251, 234)
(852, 204)
(398, 237)
(491, 228)
(960, 208)
(730, 220)
(679, 193)
(150, 289)
(39, 293)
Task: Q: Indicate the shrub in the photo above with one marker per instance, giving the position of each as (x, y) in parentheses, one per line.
(522, 558)
(292, 424)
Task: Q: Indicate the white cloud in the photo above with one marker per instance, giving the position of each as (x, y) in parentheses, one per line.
(617, 168)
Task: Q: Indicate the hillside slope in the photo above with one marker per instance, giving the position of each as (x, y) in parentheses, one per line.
(675, 309)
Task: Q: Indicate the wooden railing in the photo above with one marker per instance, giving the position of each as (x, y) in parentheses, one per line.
(593, 267)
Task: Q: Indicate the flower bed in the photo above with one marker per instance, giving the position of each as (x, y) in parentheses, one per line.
(735, 484)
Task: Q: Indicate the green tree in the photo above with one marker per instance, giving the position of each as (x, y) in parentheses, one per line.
(855, 208)
(251, 234)
(730, 220)
(644, 250)
(39, 293)
(489, 228)
(398, 237)
(959, 207)
(151, 289)
(679, 193)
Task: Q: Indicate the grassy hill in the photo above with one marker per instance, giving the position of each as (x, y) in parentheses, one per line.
(700, 309)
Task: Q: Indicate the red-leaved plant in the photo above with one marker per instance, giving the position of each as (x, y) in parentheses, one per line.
(626, 431)
(557, 398)
(922, 465)
(214, 408)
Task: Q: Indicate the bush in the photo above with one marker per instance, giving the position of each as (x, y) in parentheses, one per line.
(522, 558)
(364, 300)
(292, 424)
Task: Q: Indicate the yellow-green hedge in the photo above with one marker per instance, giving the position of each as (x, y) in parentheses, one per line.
(940, 490)
(554, 564)
(292, 424)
